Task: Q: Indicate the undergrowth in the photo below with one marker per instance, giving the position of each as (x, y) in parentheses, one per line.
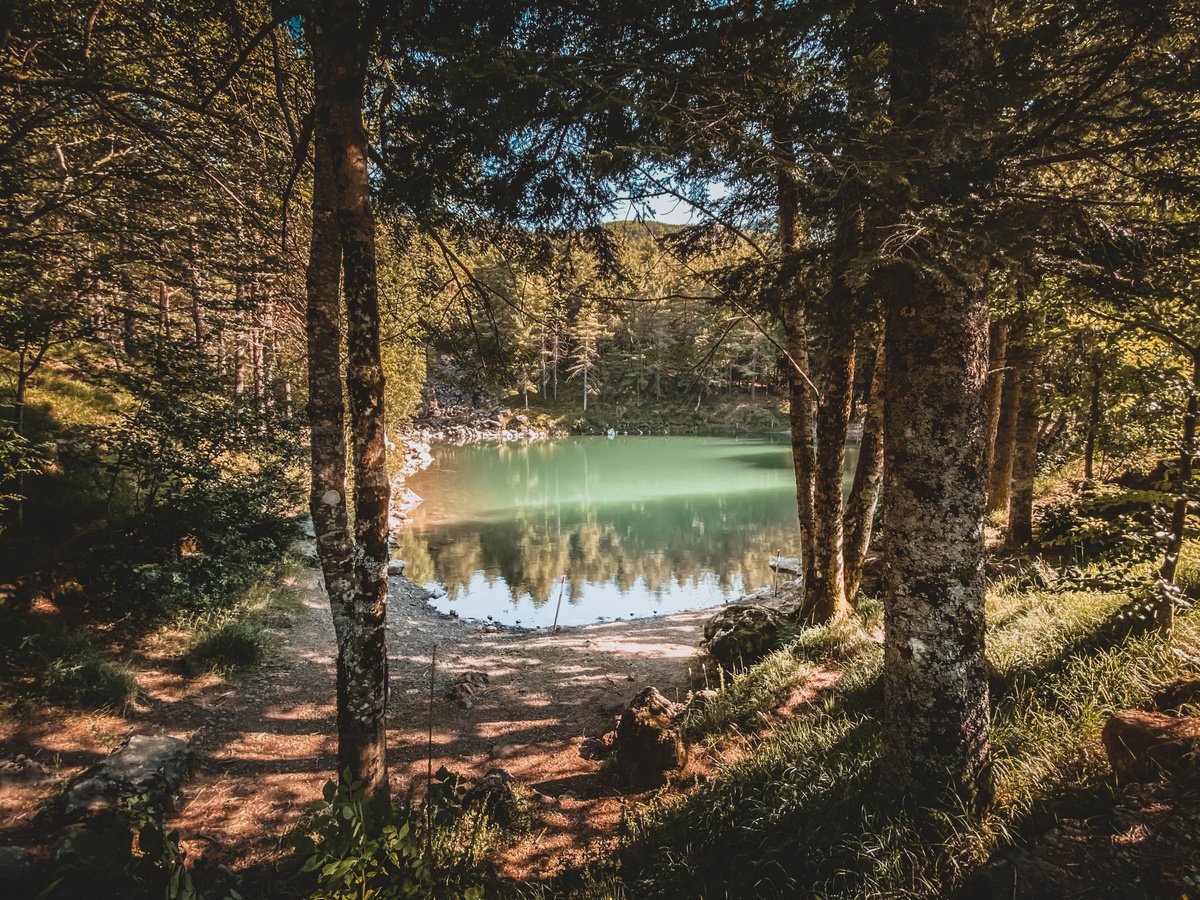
(803, 813)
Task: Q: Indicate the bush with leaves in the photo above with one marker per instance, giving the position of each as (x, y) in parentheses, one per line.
(1106, 523)
(128, 856)
(360, 848)
(42, 660)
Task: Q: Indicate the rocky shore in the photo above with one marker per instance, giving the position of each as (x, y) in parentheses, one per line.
(457, 425)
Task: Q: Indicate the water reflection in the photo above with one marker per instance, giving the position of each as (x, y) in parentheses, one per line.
(637, 525)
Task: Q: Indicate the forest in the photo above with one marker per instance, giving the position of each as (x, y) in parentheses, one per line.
(837, 361)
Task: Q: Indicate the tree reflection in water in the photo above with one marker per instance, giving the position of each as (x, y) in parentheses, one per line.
(637, 525)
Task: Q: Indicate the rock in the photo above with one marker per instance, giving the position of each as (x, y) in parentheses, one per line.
(144, 764)
(395, 567)
(598, 748)
(1181, 692)
(16, 866)
(741, 634)
(21, 768)
(466, 685)
(786, 565)
(1142, 746)
(648, 746)
(701, 699)
(495, 792)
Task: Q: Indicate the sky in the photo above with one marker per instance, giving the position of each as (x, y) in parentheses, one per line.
(668, 209)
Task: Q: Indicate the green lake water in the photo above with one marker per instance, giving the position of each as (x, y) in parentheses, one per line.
(639, 526)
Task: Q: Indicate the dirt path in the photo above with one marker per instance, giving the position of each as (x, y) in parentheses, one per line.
(268, 741)
(271, 745)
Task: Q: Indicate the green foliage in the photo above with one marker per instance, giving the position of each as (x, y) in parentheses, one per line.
(358, 847)
(42, 660)
(231, 644)
(18, 456)
(404, 374)
(129, 855)
(1106, 523)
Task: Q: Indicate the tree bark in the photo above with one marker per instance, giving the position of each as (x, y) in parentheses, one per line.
(790, 312)
(1000, 470)
(1165, 614)
(936, 712)
(868, 478)
(341, 44)
(164, 310)
(326, 401)
(1093, 425)
(826, 596)
(997, 360)
(1025, 444)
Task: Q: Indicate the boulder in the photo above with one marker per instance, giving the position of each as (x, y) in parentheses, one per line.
(145, 764)
(648, 747)
(1143, 746)
(395, 567)
(466, 685)
(786, 565)
(741, 634)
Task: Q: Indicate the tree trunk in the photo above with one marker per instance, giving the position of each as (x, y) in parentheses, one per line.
(1093, 425)
(197, 284)
(868, 477)
(997, 360)
(1024, 457)
(341, 48)
(1165, 614)
(1000, 470)
(936, 711)
(326, 403)
(826, 597)
(790, 313)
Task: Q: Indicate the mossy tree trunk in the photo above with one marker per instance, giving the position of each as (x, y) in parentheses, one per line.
(1025, 445)
(868, 478)
(936, 712)
(341, 43)
(801, 406)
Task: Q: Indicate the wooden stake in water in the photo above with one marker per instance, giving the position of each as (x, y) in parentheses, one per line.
(562, 587)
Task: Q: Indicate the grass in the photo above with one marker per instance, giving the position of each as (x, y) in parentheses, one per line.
(237, 639)
(802, 814)
(46, 661)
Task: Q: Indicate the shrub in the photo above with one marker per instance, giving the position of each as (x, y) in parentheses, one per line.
(43, 660)
(231, 645)
(359, 848)
(1107, 523)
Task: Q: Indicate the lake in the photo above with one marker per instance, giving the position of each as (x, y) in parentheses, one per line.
(639, 526)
